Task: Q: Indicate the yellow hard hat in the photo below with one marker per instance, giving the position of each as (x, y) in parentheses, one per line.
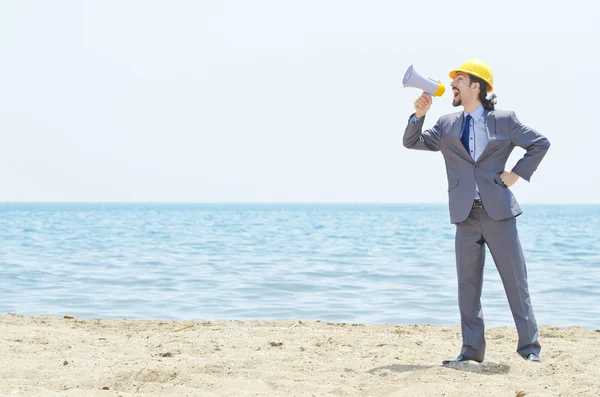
(476, 68)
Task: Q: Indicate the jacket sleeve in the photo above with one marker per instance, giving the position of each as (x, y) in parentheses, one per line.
(416, 138)
(533, 142)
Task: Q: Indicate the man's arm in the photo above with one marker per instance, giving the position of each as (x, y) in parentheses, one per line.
(416, 138)
(533, 142)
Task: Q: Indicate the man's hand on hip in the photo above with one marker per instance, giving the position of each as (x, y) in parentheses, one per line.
(422, 105)
(509, 178)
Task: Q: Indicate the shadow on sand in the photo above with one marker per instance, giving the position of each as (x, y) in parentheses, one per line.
(485, 368)
(397, 368)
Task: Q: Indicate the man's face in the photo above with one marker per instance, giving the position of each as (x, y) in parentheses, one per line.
(462, 89)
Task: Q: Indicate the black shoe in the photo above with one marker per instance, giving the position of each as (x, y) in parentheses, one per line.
(533, 357)
(459, 359)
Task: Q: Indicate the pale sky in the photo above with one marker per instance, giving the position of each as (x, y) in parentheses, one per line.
(278, 101)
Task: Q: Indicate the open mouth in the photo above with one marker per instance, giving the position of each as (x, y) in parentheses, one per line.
(455, 93)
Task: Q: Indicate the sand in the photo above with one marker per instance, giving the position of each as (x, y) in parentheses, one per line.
(55, 356)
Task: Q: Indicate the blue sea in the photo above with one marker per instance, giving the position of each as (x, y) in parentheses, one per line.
(341, 263)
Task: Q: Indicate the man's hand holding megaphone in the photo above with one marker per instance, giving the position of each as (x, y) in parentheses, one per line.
(422, 105)
(429, 86)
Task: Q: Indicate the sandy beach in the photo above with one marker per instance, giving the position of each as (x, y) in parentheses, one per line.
(56, 356)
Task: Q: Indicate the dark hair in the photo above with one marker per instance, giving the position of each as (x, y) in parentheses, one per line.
(488, 103)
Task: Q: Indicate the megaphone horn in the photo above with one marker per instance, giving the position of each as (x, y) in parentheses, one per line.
(430, 86)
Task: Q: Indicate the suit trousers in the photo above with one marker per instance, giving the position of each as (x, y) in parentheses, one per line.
(502, 239)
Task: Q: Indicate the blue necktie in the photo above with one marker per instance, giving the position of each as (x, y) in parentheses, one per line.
(466, 133)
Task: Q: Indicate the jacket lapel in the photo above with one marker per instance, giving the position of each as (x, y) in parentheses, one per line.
(490, 128)
(456, 124)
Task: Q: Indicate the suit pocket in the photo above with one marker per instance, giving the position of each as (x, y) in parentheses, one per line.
(452, 184)
(499, 181)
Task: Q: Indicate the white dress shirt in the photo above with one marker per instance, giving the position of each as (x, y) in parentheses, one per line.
(479, 137)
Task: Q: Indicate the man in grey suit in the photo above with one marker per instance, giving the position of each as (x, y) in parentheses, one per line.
(476, 144)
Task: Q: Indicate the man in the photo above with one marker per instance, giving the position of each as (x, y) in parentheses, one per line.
(476, 144)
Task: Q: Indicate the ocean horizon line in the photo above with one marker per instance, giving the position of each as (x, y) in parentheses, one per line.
(274, 203)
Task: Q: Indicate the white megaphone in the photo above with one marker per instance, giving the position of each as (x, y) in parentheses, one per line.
(428, 85)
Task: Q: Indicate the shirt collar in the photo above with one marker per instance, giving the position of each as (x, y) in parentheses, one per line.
(476, 114)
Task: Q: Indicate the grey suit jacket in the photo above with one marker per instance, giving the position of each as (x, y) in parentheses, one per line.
(505, 132)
